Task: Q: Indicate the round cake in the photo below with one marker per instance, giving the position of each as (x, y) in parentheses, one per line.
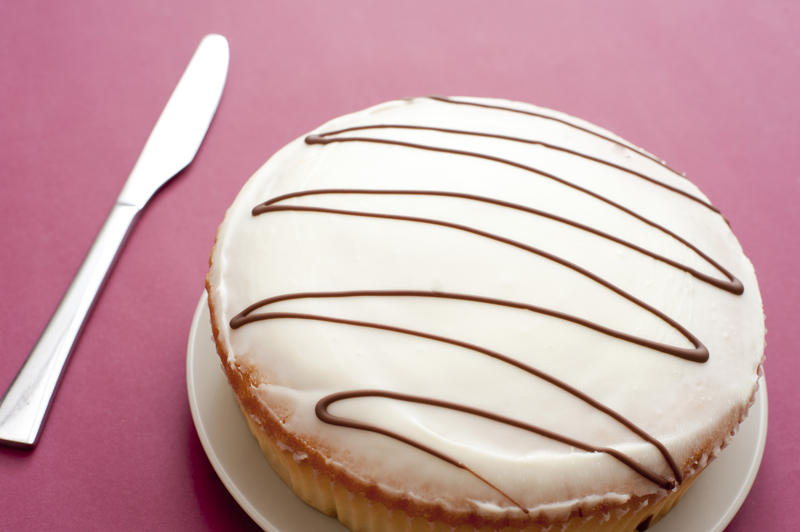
(460, 313)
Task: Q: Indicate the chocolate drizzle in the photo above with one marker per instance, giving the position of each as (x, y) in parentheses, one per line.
(698, 353)
(524, 141)
(733, 285)
(567, 123)
(730, 284)
(323, 414)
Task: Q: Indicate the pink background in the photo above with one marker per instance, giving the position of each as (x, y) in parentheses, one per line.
(710, 86)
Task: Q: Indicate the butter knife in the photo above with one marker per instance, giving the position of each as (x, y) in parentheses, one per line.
(171, 146)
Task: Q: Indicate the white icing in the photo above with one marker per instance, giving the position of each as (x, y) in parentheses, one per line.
(675, 400)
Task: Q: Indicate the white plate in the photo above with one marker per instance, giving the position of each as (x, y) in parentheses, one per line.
(714, 499)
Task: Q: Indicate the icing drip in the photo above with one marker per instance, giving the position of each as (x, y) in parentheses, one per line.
(697, 353)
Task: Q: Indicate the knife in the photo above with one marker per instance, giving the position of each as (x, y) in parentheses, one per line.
(171, 146)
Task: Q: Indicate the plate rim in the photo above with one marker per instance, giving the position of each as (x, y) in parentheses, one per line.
(205, 440)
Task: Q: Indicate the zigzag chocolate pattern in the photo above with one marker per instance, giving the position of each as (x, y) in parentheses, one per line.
(698, 353)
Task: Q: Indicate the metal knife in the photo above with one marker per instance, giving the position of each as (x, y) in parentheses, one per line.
(171, 146)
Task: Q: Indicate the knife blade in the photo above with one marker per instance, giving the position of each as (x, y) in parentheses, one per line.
(171, 146)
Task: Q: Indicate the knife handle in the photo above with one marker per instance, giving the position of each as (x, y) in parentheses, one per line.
(24, 406)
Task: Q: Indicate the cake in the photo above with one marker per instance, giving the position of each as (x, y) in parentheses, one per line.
(449, 313)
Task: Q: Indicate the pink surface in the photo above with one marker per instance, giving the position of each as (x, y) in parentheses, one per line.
(710, 86)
